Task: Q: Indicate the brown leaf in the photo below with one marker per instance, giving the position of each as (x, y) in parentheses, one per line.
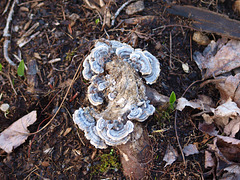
(229, 88)
(229, 147)
(232, 127)
(17, 133)
(212, 63)
(208, 128)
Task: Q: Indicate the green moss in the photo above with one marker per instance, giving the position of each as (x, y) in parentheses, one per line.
(106, 162)
(69, 55)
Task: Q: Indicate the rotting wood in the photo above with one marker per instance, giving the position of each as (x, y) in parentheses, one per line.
(136, 154)
(208, 21)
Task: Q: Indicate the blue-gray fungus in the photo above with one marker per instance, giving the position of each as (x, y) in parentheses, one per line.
(117, 74)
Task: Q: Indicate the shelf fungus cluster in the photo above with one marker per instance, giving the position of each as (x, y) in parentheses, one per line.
(117, 92)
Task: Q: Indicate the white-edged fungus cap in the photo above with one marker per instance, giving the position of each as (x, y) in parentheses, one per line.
(115, 71)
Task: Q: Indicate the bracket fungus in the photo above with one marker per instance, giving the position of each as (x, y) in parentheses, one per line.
(117, 92)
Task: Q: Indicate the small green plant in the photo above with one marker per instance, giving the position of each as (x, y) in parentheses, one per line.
(21, 68)
(97, 21)
(71, 54)
(164, 113)
(0, 67)
(172, 100)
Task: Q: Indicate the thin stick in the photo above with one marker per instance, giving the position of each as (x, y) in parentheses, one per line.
(29, 2)
(119, 10)
(190, 86)
(6, 8)
(10, 81)
(5, 52)
(74, 78)
(180, 147)
(170, 58)
(7, 35)
(191, 54)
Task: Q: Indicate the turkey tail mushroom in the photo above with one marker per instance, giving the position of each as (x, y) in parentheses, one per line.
(119, 101)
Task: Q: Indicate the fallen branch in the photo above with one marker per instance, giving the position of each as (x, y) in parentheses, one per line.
(208, 21)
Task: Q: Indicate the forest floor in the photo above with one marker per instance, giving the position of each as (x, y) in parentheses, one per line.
(60, 150)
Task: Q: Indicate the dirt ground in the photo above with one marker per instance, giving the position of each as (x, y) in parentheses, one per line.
(60, 150)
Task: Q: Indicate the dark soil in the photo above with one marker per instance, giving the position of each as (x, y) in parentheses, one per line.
(70, 155)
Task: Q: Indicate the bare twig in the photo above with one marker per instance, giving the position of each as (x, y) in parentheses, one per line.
(10, 81)
(5, 52)
(119, 10)
(73, 80)
(25, 37)
(190, 86)
(179, 145)
(6, 8)
(170, 59)
(7, 35)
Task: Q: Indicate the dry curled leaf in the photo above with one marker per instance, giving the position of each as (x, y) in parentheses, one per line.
(203, 103)
(233, 127)
(17, 133)
(229, 147)
(229, 88)
(218, 57)
(170, 155)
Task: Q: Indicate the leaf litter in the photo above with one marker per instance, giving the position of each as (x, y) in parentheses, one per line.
(219, 58)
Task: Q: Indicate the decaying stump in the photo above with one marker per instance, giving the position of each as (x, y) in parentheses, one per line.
(136, 154)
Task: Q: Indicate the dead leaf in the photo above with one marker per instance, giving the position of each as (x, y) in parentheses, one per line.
(17, 133)
(232, 128)
(135, 7)
(190, 149)
(208, 128)
(229, 88)
(209, 162)
(225, 111)
(218, 57)
(207, 118)
(203, 103)
(233, 169)
(170, 155)
(229, 147)
(183, 102)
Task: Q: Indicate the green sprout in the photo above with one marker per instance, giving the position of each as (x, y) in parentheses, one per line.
(21, 68)
(97, 21)
(172, 100)
(0, 67)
